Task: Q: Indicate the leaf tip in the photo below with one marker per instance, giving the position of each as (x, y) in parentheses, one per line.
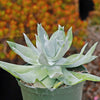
(96, 44)
(60, 27)
(9, 42)
(70, 28)
(24, 34)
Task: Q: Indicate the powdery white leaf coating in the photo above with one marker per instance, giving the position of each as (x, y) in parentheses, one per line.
(55, 71)
(48, 82)
(24, 52)
(68, 78)
(29, 43)
(48, 66)
(86, 76)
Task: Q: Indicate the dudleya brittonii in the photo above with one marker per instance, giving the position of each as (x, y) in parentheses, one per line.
(48, 68)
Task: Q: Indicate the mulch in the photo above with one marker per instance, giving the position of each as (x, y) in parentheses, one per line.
(92, 89)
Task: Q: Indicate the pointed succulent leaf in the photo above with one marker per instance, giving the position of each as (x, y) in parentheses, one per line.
(69, 60)
(42, 34)
(38, 44)
(59, 43)
(29, 43)
(37, 73)
(50, 48)
(24, 52)
(27, 73)
(58, 84)
(78, 59)
(43, 60)
(91, 50)
(65, 47)
(68, 78)
(86, 58)
(61, 27)
(80, 55)
(83, 60)
(16, 68)
(38, 84)
(6, 68)
(42, 37)
(82, 50)
(41, 72)
(59, 34)
(55, 71)
(48, 82)
(58, 38)
(28, 77)
(85, 76)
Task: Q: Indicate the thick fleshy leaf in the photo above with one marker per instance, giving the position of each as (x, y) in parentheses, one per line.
(15, 69)
(91, 50)
(50, 48)
(69, 60)
(58, 84)
(29, 43)
(42, 38)
(37, 73)
(82, 50)
(28, 77)
(48, 82)
(24, 52)
(83, 60)
(68, 78)
(54, 71)
(58, 39)
(86, 58)
(43, 60)
(38, 84)
(25, 72)
(42, 34)
(79, 59)
(85, 76)
(6, 68)
(59, 34)
(65, 47)
(38, 44)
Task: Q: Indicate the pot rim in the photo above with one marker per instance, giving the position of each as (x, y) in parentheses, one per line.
(32, 87)
(51, 91)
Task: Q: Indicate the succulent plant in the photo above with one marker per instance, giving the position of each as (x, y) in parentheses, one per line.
(47, 66)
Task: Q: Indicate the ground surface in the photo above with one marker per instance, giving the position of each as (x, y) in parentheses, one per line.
(92, 89)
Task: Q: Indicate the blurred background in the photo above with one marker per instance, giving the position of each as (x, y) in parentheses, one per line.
(18, 16)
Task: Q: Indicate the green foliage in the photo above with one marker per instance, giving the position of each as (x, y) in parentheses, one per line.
(94, 18)
(18, 16)
(49, 69)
